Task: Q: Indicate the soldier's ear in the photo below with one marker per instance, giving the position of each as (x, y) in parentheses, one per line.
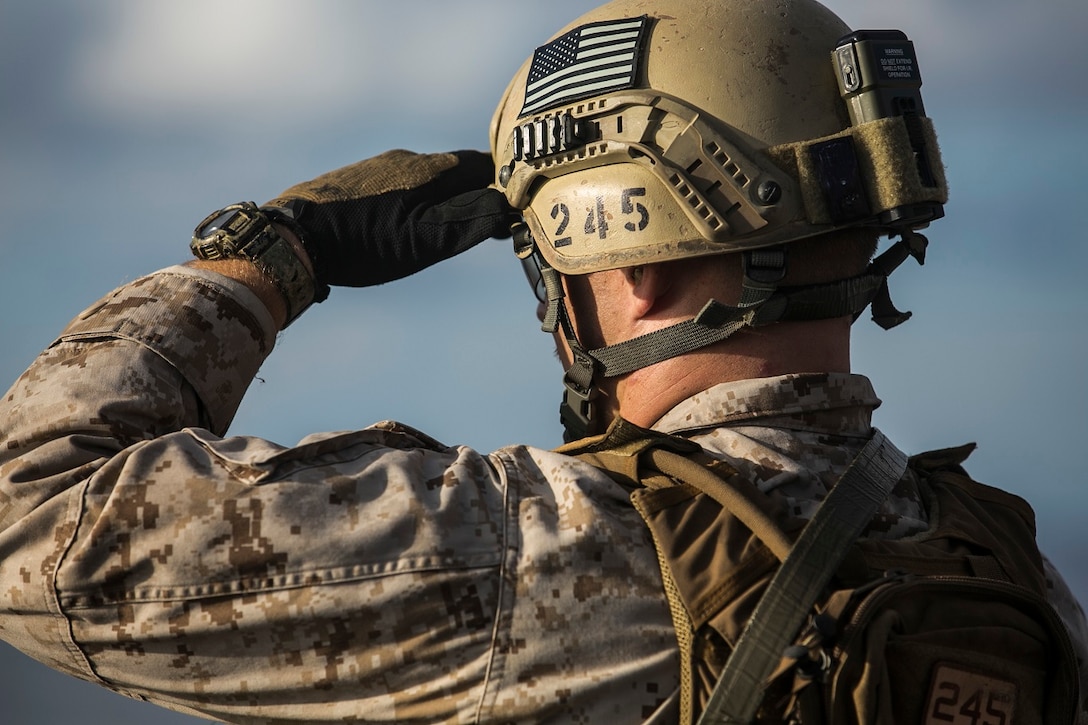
(646, 285)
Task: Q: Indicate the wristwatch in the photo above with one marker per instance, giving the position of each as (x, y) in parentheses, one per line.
(246, 231)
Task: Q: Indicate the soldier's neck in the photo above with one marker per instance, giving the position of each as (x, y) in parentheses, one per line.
(821, 346)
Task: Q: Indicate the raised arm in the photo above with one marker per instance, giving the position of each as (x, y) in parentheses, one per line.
(234, 577)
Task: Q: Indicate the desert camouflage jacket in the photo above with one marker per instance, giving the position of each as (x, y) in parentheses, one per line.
(367, 576)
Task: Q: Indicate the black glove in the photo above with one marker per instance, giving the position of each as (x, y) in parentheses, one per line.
(391, 216)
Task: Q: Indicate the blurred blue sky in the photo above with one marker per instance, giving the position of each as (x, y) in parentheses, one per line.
(124, 122)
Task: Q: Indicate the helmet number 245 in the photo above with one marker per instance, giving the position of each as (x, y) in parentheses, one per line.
(636, 216)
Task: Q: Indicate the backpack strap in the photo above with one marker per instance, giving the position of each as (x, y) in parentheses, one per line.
(624, 450)
(797, 584)
(736, 502)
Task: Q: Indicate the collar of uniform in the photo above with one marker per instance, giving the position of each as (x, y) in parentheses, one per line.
(799, 397)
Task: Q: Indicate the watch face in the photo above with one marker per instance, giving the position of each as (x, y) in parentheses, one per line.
(216, 223)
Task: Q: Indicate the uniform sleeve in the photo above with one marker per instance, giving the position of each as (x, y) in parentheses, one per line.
(231, 577)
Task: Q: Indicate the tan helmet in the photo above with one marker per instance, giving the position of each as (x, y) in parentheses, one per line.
(655, 130)
(650, 130)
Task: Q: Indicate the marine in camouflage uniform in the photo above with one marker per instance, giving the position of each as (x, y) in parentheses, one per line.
(364, 576)
(367, 576)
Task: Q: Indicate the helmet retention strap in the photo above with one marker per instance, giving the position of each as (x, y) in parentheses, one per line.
(763, 270)
(577, 411)
(762, 302)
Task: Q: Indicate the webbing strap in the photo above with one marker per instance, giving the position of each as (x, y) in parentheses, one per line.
(763, 303)
(797, 584)
(717, 322)
(664, 344)
(763, 270)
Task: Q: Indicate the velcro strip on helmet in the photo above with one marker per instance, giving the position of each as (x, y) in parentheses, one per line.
(892, 174)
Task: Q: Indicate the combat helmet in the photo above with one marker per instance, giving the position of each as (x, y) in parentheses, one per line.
(655, 130)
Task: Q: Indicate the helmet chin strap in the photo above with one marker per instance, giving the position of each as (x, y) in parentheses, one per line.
(578, 411)
(762, 302)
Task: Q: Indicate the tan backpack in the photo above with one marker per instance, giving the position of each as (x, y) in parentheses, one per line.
(785, 621)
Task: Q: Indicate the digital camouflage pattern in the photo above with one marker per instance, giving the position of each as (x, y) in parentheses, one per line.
(367, 576)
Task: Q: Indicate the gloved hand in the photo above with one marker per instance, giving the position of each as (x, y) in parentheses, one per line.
(392, 215)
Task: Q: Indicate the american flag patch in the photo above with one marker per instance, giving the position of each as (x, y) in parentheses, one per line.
(588, 61)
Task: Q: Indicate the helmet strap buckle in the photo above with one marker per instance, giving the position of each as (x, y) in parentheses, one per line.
(765, 267)
(577, 412)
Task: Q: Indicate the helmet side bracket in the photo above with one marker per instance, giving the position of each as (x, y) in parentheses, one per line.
(725, 190)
